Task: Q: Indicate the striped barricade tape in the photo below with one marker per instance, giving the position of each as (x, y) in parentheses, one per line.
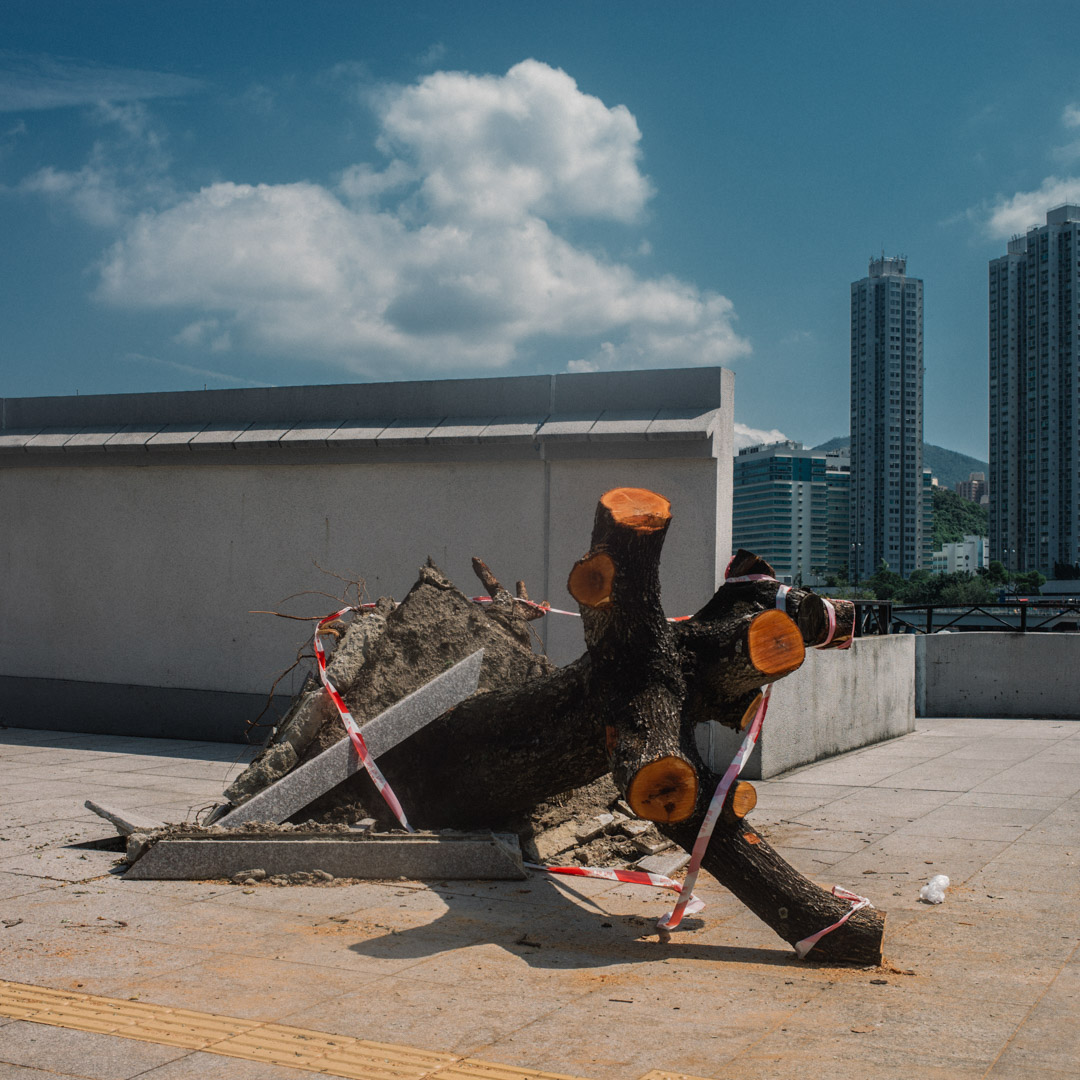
(373, 770)
(857, 903)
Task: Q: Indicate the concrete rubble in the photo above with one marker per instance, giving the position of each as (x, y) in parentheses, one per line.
(247, 837)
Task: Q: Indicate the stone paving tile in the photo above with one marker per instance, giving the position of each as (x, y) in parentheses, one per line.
(1042, 778)
(66, 907)
(30, 790)
(78, 960)
(1048, 1038)
(26, 1072)
(62, 864)
(1032, 868)
(13, 886)
(859, 770)
(463, 940)
(250, 987)
(787, 1065)
(386, 1012)
(1023, 802)
(920, 857)
(598, 1037)
(202, 1066)
(82, 1053)
(1011, 1071)
(894, 1027)
(935, 776)
(1000, 749)
(961, 822)
(793, 784)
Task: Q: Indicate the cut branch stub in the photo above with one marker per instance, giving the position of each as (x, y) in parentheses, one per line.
(636, 508)
(741, 799)
(591, 580)
(664, 790)
(774, 644)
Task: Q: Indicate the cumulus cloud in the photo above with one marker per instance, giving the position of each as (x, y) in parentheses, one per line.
(446, 256)
(748, 436)
(29, 83)
(1013, 214)
(1021, 211)
(497, 147)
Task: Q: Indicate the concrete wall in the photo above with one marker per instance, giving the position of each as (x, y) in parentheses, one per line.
(998, 675)
(837, 701)
(139, 531)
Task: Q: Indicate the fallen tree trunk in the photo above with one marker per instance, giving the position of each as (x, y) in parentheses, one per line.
(629, 706)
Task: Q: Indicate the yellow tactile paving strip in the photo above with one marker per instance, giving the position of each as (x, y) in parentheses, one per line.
(252, 1040)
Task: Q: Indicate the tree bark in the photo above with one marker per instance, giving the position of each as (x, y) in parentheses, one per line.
(652, 681)
(629, 706)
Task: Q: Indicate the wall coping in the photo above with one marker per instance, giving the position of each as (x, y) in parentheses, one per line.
(680, 405)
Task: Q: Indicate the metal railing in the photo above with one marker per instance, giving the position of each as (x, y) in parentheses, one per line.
(873, 617)
(1019, 615)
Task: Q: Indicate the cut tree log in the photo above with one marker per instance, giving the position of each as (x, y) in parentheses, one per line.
(639, 688)
(629, 706)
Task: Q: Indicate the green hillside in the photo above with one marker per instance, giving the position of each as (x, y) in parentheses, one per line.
(949, 466)
(955, 518)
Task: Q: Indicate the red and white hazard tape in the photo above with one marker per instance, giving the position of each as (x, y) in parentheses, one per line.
(631, 877)
(712, 815)
(857, 903)
(781, 604)
(360, 746)
(688, 903)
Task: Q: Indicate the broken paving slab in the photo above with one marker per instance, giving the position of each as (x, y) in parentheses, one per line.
(665, 865)
(421, 856)
(126, 821)
(304, 785)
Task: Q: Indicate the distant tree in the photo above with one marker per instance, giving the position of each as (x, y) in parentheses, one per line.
(1066, 571)
(995, 573)
(961, 587)
(884, 583)
(1028, 584)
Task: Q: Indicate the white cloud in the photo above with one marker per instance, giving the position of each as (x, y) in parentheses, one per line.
(126, 169)
(29, 83)
(445, 259)
(497, 147)
(748, 436)
(1013, 214)
(1017, 214)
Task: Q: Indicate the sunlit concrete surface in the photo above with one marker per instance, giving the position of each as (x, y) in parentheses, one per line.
(567, 978)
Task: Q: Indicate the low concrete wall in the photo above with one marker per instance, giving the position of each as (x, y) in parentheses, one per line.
(140, 531)
(837, 701)
(998, 675)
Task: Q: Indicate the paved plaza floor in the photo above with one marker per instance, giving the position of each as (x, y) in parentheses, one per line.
(502, 980)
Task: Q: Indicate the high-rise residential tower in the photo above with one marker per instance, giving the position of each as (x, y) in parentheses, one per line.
(1035, 396)
(888, 519)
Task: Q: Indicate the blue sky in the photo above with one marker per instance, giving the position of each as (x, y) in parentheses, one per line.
(233, 193)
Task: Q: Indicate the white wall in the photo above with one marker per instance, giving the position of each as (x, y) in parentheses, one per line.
(998, 675)
(141, 567)
(838, 700)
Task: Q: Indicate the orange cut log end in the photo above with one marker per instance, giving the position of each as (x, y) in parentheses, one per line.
(637, 508)
(743, 798)
(590, 580)
(775, 644)
(664, 790)
(751, 712)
